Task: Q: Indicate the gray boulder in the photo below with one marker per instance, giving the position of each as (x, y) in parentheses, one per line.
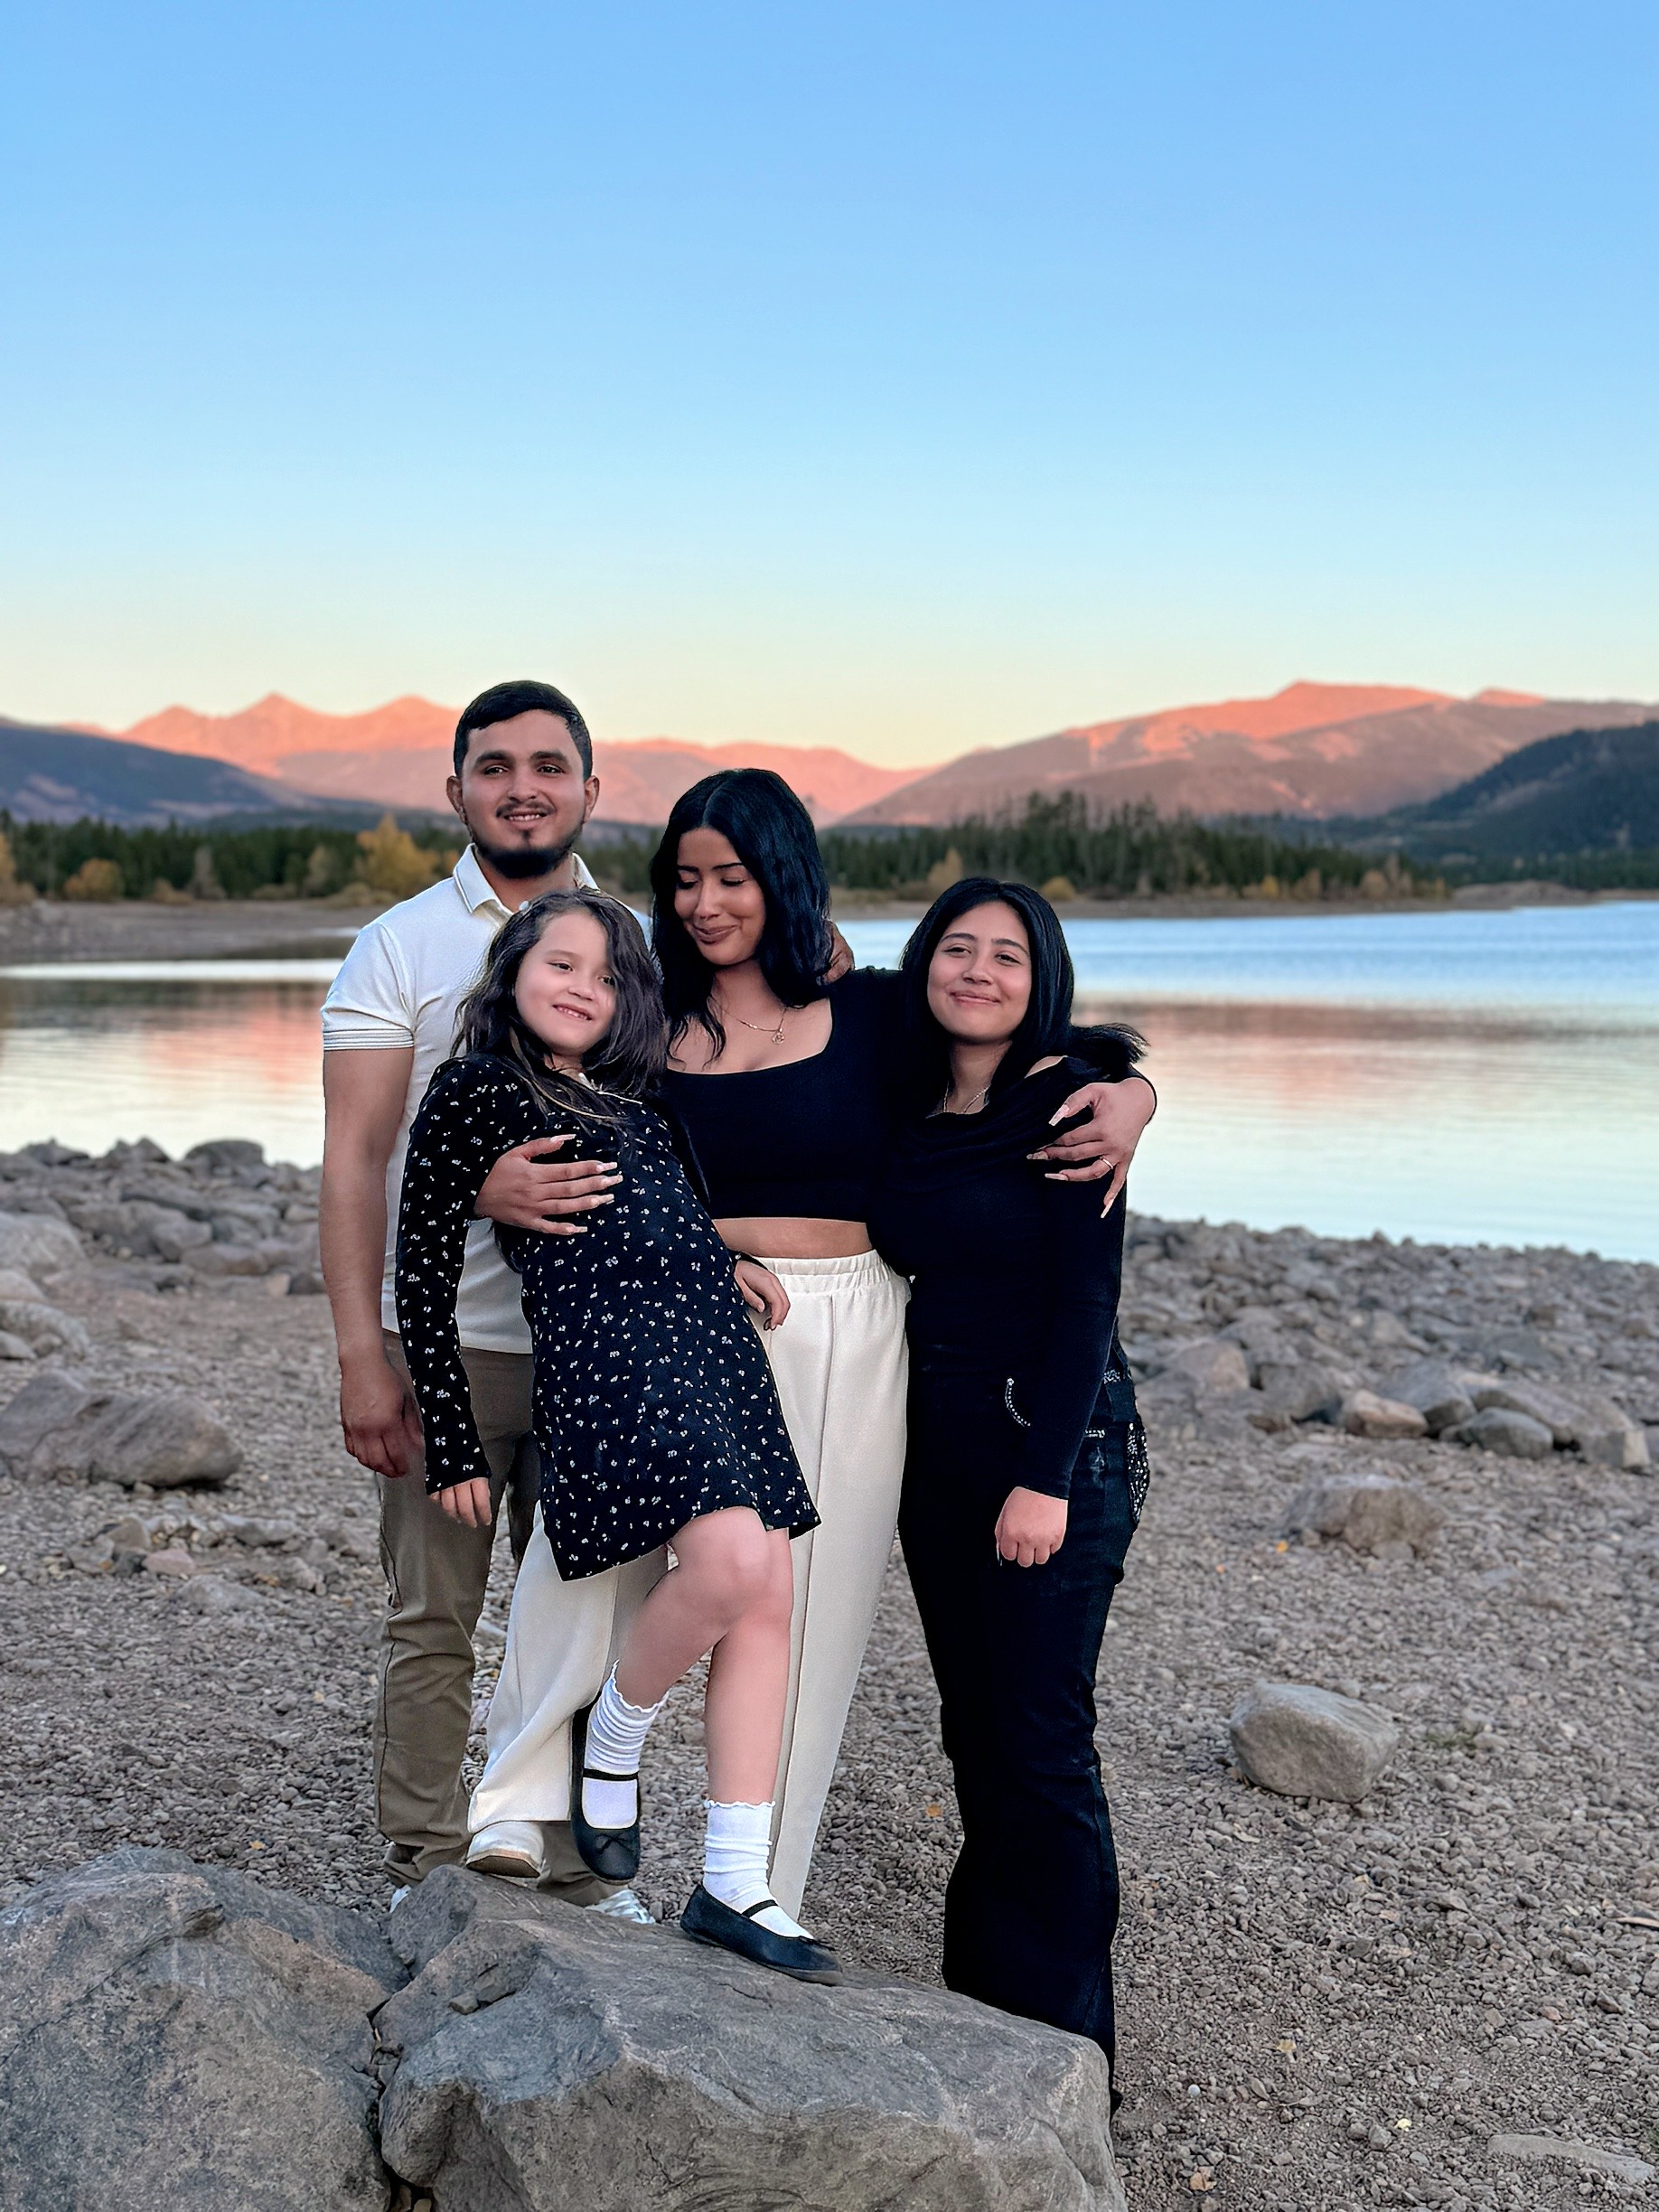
(1372, 1513)
(537, 2043)
(1434, 1390)
(179, 2039)
(1302, 1742)
(1215, 1363)
(42, 1327)
(1604, 1432)
(226, 1152)
(40, 1246)
(1500, 1430)
(174, 1233)
(57, 1430)
(1297, 1390)
(1540, 1403)
(1364, 1413)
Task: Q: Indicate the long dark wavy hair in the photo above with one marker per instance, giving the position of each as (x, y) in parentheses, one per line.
(1046, 1027)
(627, 1060)
(772, 834)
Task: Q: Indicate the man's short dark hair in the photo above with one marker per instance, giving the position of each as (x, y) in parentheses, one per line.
(502, 701)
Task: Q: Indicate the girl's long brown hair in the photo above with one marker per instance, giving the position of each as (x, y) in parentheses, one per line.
(630, 1056)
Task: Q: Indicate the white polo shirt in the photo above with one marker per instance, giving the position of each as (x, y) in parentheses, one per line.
(399, 987)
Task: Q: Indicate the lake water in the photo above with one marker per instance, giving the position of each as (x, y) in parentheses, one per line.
(1461, 1077)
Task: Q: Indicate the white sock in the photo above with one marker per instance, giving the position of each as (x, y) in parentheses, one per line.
(616, 1733)
(736, 1854)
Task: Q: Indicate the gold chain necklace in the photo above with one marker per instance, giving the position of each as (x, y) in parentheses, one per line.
(979, 1098)
(761, 1029)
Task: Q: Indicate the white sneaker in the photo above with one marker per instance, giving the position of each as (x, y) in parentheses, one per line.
(512, 1848)
(398, 1895)
(625, 1905)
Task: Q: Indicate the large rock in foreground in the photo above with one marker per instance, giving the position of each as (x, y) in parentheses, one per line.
(549, 2057)
(58, 1429)
(181, 2039)
(1303, 1742)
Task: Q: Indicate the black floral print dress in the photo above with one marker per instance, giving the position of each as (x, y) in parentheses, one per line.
(654, 1401)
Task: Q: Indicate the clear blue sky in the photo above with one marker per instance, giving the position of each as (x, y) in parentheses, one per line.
(908, 376)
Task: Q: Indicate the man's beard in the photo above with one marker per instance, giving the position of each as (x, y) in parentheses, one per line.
(520, 863)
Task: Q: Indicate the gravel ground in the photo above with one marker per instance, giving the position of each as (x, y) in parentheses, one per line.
(1320, 2007)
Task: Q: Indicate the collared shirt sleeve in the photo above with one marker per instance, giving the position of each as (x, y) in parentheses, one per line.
(370, 1004)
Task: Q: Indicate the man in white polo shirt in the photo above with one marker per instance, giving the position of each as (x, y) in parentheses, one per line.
(524, 785)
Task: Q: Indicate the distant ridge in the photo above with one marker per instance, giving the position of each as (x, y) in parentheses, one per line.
(49, 774)
(1590, 790)
(1311, 750)
(399, 754)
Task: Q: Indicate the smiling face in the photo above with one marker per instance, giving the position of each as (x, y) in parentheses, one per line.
(523, 794)
(979, 980)
(721, 907)
(566, 989)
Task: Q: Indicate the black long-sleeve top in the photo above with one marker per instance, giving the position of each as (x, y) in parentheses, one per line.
(653, 1402)
(1011, 1272)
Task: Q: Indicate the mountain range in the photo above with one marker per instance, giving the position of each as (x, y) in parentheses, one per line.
(1311, 752)
(400, 754)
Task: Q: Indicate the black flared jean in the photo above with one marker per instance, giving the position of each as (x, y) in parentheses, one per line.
(1032, 1905)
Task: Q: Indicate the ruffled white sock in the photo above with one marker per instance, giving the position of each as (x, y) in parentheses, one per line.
(737, 1855)
(616, 1733)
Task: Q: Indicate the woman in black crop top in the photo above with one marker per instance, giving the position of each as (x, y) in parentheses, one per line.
(786, 1088)
(1026, 1463)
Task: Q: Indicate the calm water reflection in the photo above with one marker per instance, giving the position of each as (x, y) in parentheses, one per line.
(1467, 1077)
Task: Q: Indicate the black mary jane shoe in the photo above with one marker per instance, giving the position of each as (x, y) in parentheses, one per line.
(612, 1853)
(707, 1920)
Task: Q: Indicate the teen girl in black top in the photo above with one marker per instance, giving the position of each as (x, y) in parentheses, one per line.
(1026, 1463)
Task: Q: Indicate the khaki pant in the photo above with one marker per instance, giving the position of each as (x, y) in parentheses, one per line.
(840, 1366)
(437, 1570)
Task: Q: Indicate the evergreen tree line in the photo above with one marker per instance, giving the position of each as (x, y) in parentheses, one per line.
(1068, 852)
(100, 860)
(1057, 844)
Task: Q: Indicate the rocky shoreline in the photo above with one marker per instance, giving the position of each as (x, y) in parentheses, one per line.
(1442, 1993)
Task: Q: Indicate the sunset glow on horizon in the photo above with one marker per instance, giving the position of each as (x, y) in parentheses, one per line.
(900, 379)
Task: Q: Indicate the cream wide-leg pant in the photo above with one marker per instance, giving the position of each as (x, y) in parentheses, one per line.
(838, 1363)
(840, 1367)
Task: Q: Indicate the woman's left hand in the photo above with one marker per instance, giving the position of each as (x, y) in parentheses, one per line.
(1031, 1527)
(1105, 1143)
(762, 1293)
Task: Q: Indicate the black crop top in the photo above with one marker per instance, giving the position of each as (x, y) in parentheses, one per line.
(807, 1140)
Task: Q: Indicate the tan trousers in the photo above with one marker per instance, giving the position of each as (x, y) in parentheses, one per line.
(436, 1570)
(838, 1363)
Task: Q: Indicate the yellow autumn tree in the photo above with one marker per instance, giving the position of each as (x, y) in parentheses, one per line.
(945, 873)
(392, 864)
(13, 891)
(94, 879)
